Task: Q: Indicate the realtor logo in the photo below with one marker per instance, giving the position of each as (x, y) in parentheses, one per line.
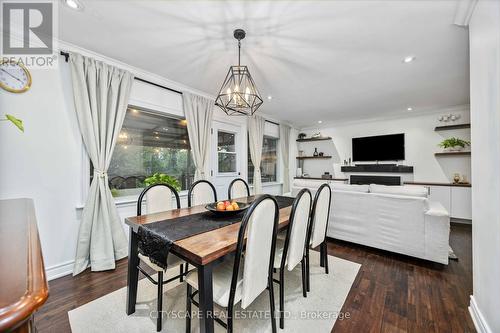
(28, 29)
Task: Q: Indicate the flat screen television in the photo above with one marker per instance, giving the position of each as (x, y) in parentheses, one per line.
(379, 148)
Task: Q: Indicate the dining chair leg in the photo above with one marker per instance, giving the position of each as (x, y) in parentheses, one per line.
(186, 270)
(230, 319)
(321, 256)
(282, 298)
(188, 308)
(272, 305)
(181, 272)
(325, 246)
(304, 278)
(308, 272)
(160, 301)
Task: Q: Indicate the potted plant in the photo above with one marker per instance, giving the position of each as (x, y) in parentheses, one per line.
(454, 144)
(161, 178)
(17, 122)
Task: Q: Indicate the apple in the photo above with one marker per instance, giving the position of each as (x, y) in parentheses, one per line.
(230, 207)
(226, 203)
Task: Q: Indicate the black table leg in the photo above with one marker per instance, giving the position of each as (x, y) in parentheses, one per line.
(133, 273)
(206, 298)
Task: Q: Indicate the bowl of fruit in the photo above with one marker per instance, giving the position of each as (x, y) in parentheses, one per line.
(225, 208)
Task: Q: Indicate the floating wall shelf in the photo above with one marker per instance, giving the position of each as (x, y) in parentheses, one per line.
(451, 127)
(321, 138)
(312, 157)
(451, 153)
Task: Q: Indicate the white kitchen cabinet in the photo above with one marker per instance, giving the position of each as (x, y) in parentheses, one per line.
(441, 194)
(457, 200)
(461, 203)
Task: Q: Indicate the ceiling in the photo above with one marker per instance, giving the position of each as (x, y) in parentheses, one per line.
(325, 60)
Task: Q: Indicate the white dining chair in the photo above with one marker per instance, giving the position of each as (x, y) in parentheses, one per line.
(159, 199)
(244, 279)
(238, 188)
(201, 192)
(320, 214)
(291, 251)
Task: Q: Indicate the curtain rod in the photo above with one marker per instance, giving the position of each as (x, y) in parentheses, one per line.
(66, 58)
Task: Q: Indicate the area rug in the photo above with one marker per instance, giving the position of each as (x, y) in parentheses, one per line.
(316, 313)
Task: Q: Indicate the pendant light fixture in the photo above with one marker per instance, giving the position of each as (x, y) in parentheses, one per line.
(238, 94)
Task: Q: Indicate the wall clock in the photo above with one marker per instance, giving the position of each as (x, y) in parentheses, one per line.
(14, 77)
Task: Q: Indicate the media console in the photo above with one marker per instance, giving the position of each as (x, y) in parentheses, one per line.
(387, 168)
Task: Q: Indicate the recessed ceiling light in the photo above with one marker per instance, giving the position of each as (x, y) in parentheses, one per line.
(410, 109)
(74, 4)
(409, 59)
(320, 121)
(269, 97)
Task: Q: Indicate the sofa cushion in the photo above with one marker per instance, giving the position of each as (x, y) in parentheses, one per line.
(350, 188)
(411, 191)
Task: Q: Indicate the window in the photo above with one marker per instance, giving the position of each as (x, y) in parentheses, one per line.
(269, 162)
(150, 143)
(226, 152)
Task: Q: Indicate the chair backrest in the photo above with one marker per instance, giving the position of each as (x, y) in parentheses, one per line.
(201, 192)
(296, 235)
(238, 189)
(260, 226)
(320, 214)
(158, 198)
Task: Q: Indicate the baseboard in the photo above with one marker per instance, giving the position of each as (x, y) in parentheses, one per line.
(60, 270)
(460, 221)
(478, 318)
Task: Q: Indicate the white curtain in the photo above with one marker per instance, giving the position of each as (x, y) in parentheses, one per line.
(285, 155)
(256, 126)
(101, 93)
(199, 113)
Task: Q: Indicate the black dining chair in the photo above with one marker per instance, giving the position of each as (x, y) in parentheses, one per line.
(241, 280)
(159, 199)
(238, 188)
(291, 251)
(201, 192)
(320, 214)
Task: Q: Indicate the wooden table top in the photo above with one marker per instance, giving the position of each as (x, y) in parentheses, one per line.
(206, 247)
(23, 283)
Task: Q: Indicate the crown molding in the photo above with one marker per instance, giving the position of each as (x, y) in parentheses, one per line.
(463, 12)
(139, 72)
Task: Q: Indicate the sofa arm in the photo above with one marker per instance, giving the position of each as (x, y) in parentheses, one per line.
(436, 209)
(437, 233)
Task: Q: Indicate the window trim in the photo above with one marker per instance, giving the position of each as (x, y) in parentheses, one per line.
(85, 169)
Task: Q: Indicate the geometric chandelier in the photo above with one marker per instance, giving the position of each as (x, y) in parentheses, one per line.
(238, 94)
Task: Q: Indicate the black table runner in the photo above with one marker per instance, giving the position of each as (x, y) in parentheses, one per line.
(155, 239)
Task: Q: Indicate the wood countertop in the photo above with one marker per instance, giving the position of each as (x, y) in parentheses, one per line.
(23, 282)
(438, 184)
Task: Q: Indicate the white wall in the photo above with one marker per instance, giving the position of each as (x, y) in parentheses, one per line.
(420, 145)
(485, 113)
(48, 162)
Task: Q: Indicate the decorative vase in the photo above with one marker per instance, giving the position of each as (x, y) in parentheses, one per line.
(457, 148)
(456, 178)
(315, 152)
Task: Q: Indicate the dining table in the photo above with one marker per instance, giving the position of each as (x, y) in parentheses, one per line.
(202, 250)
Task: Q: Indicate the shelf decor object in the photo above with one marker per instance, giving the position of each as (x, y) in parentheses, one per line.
(238, 94)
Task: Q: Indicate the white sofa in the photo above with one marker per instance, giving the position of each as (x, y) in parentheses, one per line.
(393, 218)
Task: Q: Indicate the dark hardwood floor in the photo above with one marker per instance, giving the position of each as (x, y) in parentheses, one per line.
(392, 293)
